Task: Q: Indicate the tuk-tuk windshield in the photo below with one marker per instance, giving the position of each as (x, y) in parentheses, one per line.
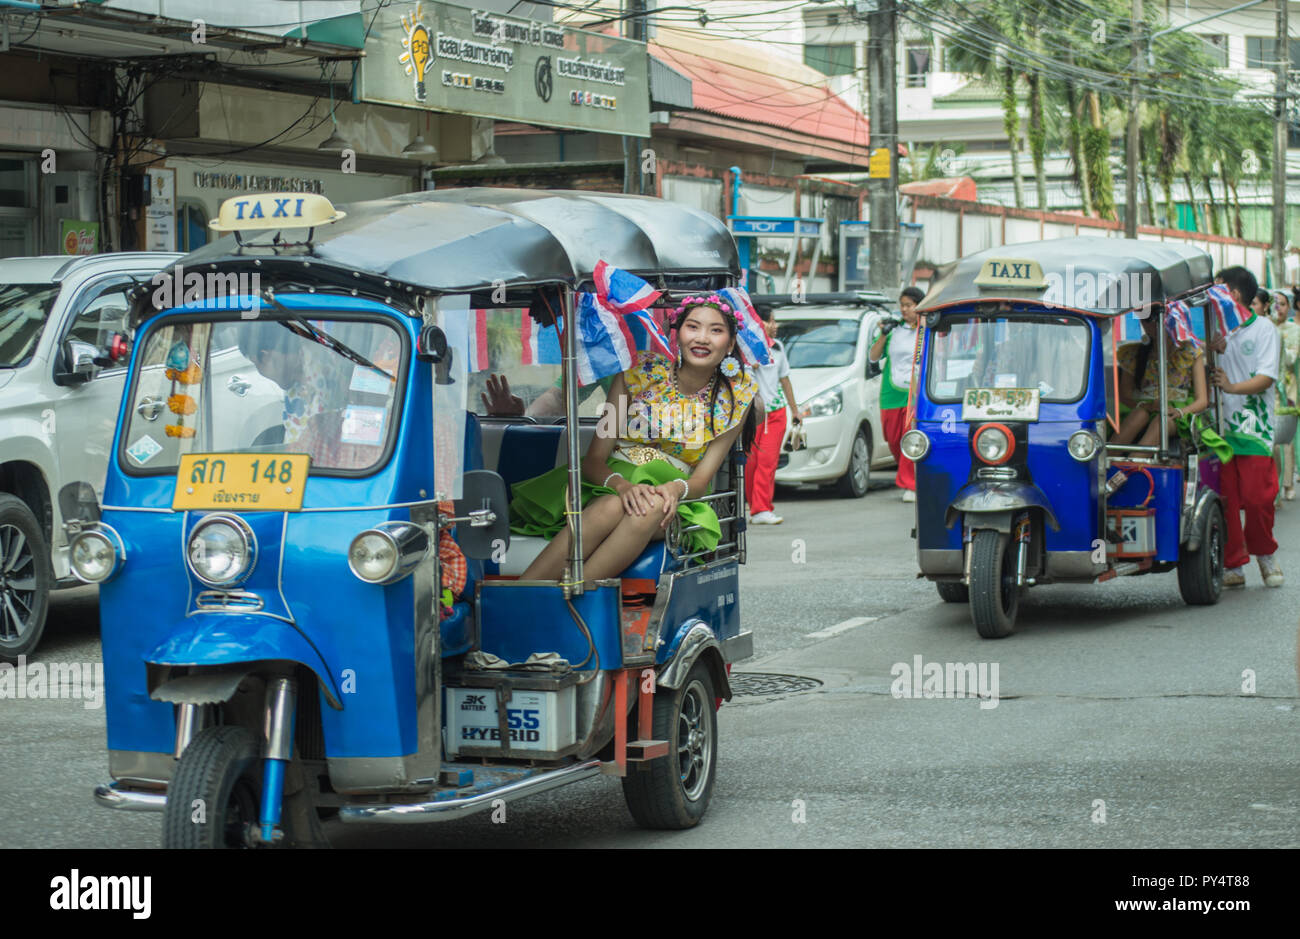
(1047, 352)
(327, 388)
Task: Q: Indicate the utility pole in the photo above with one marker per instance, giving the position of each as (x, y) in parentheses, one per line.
(883, 191)
(634, 179)
(1280, 135)
(1131, 147)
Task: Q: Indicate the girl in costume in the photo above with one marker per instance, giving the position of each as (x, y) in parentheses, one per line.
(1139, 385)
(682, 418)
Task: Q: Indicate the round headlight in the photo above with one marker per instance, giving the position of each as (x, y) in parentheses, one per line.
(94, 556)
(1083, 445)
(915, 445)
(994, 443)
(372, 556)
(222, 550)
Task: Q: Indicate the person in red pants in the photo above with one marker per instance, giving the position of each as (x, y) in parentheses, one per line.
(1247, 375)
(896, 383)
(777, 393)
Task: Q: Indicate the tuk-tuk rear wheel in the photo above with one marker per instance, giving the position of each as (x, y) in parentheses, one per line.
(1200, 572)
(994, 596)
(951, 591)
(673, 792)
(214, 798)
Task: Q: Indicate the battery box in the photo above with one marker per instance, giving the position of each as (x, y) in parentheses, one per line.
(1135, 530)
(540, 714)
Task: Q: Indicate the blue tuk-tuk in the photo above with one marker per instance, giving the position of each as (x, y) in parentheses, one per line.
(277, 646)
(1017, 395)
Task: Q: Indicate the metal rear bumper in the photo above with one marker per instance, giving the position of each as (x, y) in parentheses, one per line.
(444, 810)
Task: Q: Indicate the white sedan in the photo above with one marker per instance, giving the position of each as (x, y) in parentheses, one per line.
(838, 397)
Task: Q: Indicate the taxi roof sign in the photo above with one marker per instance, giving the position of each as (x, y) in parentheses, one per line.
(1011, 272)
(275, 210)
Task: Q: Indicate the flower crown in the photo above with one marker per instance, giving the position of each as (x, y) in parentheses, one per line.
(711, 300)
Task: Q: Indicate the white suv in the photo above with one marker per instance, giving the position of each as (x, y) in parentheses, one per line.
(63, 357)
(838, 391)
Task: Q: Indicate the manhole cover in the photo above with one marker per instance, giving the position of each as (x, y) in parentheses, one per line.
(757, 684)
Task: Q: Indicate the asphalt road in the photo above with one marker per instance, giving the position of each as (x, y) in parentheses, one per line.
(1120, 720)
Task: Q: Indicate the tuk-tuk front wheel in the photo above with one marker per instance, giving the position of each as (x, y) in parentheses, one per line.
(673, 792)
(1200, 572)
(215, 796)
(994, 596)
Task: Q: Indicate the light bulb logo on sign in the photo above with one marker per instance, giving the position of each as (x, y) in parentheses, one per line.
(419, 52)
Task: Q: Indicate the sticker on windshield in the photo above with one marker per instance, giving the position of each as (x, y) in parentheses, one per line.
(368, 381)
(945, 389)
(958, 369)
(363, 425)
(1005, 381)
(144, 449)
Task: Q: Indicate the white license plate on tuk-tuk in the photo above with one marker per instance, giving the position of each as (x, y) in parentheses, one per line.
(1000, 404)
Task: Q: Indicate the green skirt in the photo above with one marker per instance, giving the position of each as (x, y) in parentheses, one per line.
(537, 507)
(1194, 427)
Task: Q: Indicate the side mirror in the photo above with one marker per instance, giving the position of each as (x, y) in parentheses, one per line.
(433, 344)
(873, 369)
(79, 363)
(78, 504)
(485, 506)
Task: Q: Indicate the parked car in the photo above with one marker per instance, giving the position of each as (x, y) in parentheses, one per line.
(64, 348)
(826, 338)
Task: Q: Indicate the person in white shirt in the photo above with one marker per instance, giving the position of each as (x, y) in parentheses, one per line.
(1246, 375)
(896, 383)
(778, 395)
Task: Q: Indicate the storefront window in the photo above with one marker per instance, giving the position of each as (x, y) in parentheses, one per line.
(17, 207)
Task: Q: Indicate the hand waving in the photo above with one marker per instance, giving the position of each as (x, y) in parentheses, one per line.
(498, 401)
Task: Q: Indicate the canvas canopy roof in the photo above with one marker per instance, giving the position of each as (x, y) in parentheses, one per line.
(1101, 276)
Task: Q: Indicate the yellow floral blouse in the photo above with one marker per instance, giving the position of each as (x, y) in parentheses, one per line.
(678, 424)
(1179, 366)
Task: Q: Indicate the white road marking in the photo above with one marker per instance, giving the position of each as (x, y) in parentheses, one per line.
(841, 627)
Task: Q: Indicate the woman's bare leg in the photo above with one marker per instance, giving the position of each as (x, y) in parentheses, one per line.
(624, 544)
(1131, 426)
(599, 518)
(1152, 436)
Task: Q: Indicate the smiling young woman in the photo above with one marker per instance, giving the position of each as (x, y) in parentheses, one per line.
(676, 421)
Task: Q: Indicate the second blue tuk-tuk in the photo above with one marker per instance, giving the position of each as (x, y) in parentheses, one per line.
(276, 647)
(1017, 395)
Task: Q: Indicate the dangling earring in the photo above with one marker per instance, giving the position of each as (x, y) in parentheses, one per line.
(730, 366)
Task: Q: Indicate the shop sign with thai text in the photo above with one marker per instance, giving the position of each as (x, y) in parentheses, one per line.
(457, 60)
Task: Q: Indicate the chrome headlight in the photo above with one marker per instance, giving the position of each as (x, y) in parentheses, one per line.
(915, 445)
(388, 552)
(222, 550)
(824, 405)
(96, 554)
(994, 443)
(1083, 445)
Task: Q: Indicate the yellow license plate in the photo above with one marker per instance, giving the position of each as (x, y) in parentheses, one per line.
(242, 482)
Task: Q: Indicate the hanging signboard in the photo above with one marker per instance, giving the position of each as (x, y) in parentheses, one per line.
(78, 237)
(439, 57)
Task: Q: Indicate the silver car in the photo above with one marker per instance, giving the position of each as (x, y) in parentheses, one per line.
(838, 394)
(64, 349)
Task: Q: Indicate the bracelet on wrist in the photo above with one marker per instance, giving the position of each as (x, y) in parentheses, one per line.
(605, 484)
(686, 489)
